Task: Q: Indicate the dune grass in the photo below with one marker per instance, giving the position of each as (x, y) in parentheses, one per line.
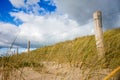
(82, 49)
(74, 52)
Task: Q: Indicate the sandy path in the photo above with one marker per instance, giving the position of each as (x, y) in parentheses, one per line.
(53, 71)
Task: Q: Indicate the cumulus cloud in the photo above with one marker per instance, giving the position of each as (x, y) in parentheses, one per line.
(82, 10)
(43, 30)
(48, 29)
(30, 6)
(17, 3)
(7, 34)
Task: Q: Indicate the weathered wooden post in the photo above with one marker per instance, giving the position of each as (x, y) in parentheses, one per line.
(17, 50)
(99, 34)
(28, 46)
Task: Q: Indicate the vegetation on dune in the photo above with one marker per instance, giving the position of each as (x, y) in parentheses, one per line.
(83, 49)
(77, 51)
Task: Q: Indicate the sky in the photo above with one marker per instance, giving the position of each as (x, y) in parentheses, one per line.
(46, 22)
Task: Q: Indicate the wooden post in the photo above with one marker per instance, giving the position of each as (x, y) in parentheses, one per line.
(99, 34)
(28, 46)
(17, 51)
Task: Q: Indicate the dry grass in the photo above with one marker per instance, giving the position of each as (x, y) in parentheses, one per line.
(80, 53)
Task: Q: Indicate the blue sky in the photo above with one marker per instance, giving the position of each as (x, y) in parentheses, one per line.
(46, 22)
(4, 11)
(6, 7)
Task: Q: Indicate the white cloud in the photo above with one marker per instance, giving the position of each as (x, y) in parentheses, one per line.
(8, 33)
(43, 30)
(31, 2)
(17, 3)
(23, 3)
(31, 6)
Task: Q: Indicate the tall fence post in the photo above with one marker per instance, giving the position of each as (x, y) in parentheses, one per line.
(28, 46)
(17, 50)
(99, 34)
